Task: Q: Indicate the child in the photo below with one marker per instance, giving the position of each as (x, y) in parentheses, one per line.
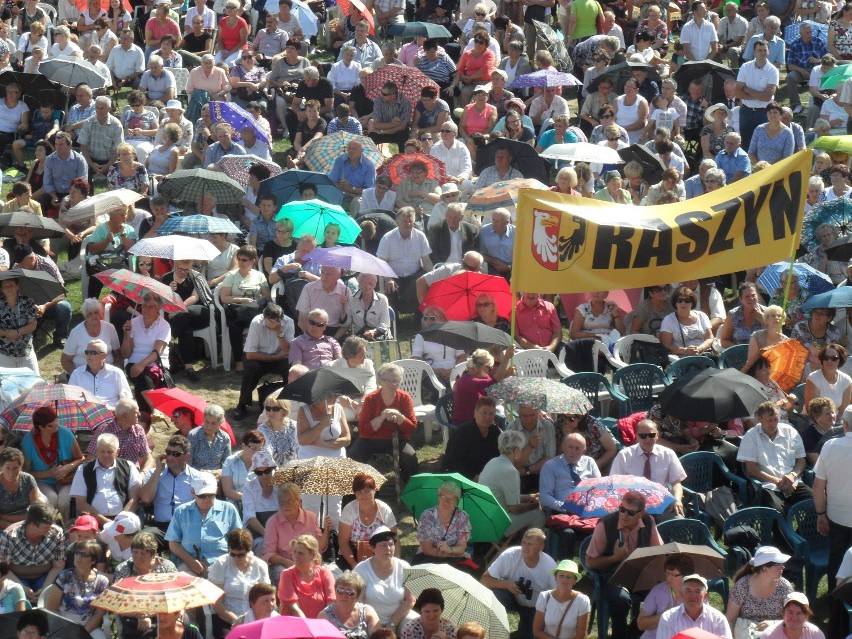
(263, 228)
(663, 115)
(330, 235)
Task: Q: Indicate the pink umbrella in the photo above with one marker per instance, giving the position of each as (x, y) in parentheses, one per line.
(346, 8)
(284, 627)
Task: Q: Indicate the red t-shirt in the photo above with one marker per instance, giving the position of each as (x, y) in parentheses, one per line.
(312, 596)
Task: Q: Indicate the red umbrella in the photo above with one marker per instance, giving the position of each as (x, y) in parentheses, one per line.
(410, 82)
(397, 167)
(346, 8)
(696, 633)
(135, 286)
(457, 295)
(166, 400)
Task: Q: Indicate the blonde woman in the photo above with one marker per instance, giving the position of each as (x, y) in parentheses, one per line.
(773, 318)
(306, 587)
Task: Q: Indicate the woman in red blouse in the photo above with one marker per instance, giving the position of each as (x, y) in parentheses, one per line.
(233, 34)
(474, 67)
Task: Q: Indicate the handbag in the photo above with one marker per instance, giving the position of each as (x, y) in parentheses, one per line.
(649, 353)
(564, 613)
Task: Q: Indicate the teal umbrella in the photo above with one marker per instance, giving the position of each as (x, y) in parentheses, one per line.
(837, 75)
(312, 216)
(488, 519)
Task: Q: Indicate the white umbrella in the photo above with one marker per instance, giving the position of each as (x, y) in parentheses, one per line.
(307, 18)
(582, 152)
(101, 203)
(175, 247)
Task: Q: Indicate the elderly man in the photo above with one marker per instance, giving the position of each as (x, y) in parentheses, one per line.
(650, 460)
(696, 104)
(83, 109)
(695, 184)
(614, 538)
(561, 474)
(774, 454)
(99, 137)
(818, 95)
(547, 106)
(198, 531)
(694, 612)
(733, 160)
(209, 444)
(106, 485)
(389, 56)
(454, 154)
(366, 51)
(537, 324)
(266, 351)
(539, 445)
(223, 146)
(105, 381)
(254, 145)
(35, 549)
(269, 42)
(804, 55)
(407, 251)
(157, 82)
(474, 443)
(417, 190)
(698, 36)
(60, 168)
(352, 172)
(126, 62)
(757, 82)
(94, 54)
(731, 32)
(312, 87)
(169, 483)
(453, 237)
(496, 243)
(58, 309)
(314, 348)
(501, 171)
(527, 563)
(294, 263)
(471, 262)
(777, 46)
(329, 294)
(391, 117)
(132, 439)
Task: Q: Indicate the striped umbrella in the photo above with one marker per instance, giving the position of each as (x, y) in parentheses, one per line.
(190, 185)
(399, 167)
(77, 408)
(135, 286)
(501, 194)
(321, 154)
(197, 225)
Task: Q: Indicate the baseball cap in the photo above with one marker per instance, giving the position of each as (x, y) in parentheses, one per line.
(125, 523)
(767, 555)
(85, 522)
(695, 577)
(205, 484)
(262, 459)
(798, 597)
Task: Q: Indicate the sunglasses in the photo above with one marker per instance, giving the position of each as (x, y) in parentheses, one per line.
(831, 358)
(145, 263)
(627, 511)
(480, 14)
(267, 471)
(345, 591)
(273, 409)
(175, 453)
(93, 353)
(244, 259)
(237, 555)
(646, 435)
(248, 57)
(205, 496)
(684, 300)
(316, 323)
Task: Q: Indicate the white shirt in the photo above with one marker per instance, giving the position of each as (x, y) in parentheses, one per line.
(665, 466)
(370, 203)
(774, 456)
(207, 13)
(538, 108)
(79, 338)
(456, 158)
(384, 595)
(236, 583)
(254, 501)
(124, 63)
(757, 79)
(403, 255)
(675, 620)
(833, 467)
(108, 385)
(699, 38)
(70, 51)
(343, 77)
(262, 340)
(510, 566)
(729, 31)
(106, 501)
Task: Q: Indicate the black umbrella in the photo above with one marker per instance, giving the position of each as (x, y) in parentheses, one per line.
(524, 158)
(652, 170)
(840, 249)
(323, 383)
(58, 627)
(712, 395)
(466, 336)
(618, 74)
(41, 226)
(419, 30)
(712, 74)
(41, 287)
(35, 87)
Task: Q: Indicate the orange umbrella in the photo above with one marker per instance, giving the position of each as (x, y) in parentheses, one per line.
(346, 8)
(787, 363)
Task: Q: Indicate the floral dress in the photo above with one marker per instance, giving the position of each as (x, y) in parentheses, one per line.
(430, 528)
(592, 431)
(282, 444)
(758, 610)
(78, 595)
(358, 632)
(135, 182)
(716, 142)
(414, 629)
(842, 39)
(13, 318)
(661, 32)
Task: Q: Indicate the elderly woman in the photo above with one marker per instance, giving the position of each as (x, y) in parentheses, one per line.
(285, 525)
(163, 159)
(140, 125)
(631, 110)
(173, 625)
(566, 180)
(279, 431)
(109, 242)
(443, 530)
(126, 172)
(501, 476)
(597, 318)
(368, 310)
(193, 289)
(353, 618)
(235, 573)
(795, 616)
(210, 445)
(743, 320)
(18, 322)
(17, 489)
(761, 370)
(686, 331)
(237, 469)
(383, 575)
(344, 75)
(613, 191)
(72, 594)
(354, 355)
(817, 332)
(478, 116)
(260, 499)
(471, 385)
(206, 82)
(670, 183)
(823, 414)
(306, 587)
(247, 80)
(836, 270)
(665, 595)
(790, 294)
(158, 25)
(244, 292)
(145, 348)
(828, 380)
(562, 613)
(430, 622)
(359, 520)
(486, 313)
(387, 410)
(757, 597)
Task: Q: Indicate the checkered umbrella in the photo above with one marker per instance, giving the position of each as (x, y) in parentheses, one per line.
(346, 7)
(398, 167)
(77, 408)
(325, 475)
(237, 167)
(135, 286)
(410, 82)
(175, 247)
(190, 185)
(321, 154)
(197, 225)
(501, 194)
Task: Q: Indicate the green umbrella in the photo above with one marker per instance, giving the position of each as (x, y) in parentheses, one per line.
(190, 185)
(838, 74)
(310, 217)
(544, 394)
(488, 519)
(841, 143)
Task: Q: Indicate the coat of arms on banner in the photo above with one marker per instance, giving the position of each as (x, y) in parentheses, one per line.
(558, 238)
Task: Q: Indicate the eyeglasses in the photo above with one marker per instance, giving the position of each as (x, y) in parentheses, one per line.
(266, 471)
(831, 358)
(284, 231)
(479, 14)
(430, 318)
(248, 57)
(175, 453)
(646, 435)
(627, 511)
(243, 259)
(145, 263)
(316, 323)
(345, 591)
(426, 138)
(272, 409)
(237, 555)
(684, 300)
(211, 496)
(93, 353)
(607, 116)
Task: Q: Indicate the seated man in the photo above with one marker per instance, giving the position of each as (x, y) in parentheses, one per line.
(526, 565)
(407, 251)
(314, 348)
(453, 238)
(198, 530)
(157, 82)
(57, 309)
(391, 117)
(501, 171)
(694, 612)
(331, 295)
(169, 484)
(539, 445)
(106, 485)
(537, 324)
(774, 454)
(266, 351)
(353, 172)
(106, 382)
(132, 439)
(496, 243)
(560, 475)
(36, 550)
(474, 443)
(126, 62)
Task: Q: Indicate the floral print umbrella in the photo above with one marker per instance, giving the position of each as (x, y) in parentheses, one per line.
(546, 395)
(602, 495)
(399, 167)
(158, 592)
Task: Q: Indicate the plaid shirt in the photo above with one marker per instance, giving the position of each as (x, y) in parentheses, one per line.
(352, 126)
(206, 455)
(385, 112)
(14, 545)
(132, 444)
(694, 113)
(48, 266)
(798, 52)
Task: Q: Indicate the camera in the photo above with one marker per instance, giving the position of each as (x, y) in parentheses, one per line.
(525, 586)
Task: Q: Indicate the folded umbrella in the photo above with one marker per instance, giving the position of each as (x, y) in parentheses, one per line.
(810, 279)
(190, 185)
(350, 258)
(175, 247)
(712, 395)
(419, 30)
(546, 395)
(285, 186)
(41, 227)
(41, 287)
(310, 217)
(101, 203)
(582, 152)
(237, 167)
(197, 225)
(466, 335)
(645, 567)
(322, 383)
(457, 295)
(239, 118)
(601, 496)
(544, 78)
(787, 362)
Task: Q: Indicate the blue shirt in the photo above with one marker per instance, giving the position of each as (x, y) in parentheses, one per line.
(546, 139)
(694, 187)
(555, 481)
(208, 534)
(59, 173)
(216, 152)
(777, 50)
(172, 491)
(264, 231)
(66, 444)
(799, 52)
(494, 245)
(361, 176)
(730, 164)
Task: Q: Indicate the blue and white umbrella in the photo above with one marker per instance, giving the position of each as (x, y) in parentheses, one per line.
(819, 31)
(286, 186)
(837, 213)
(307, 18)
(544, 78)
(15, 382)
(197, 225)
(237, 117)
(810, 279)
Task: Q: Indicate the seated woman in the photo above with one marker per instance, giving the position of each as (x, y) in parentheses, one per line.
(17, 489)
(244, 293)
(686, 331)
(757, 597)
(760, 370)
(383, 576)
(486, 313)
(773, 318)
(471, 385)
(795, 620)
(665, 595)
(346, 612)
(441, 358)
(261, 599)
(12, 597)
(829, 381)
(368, 310)
(354, 356)
(429, 607)
(360, 519)
(279, 430)
(823, 414)
(140, 125)
(443, 530)
(75, 589)
(743, 320)
(600, 444)
(145, 348)
(597, 318)
(306, 587)
(816, 332)
(562, 612)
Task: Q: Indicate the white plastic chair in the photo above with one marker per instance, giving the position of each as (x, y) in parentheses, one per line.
(457, 371)
(227, 353)
(598, 349)
(412, 374)
(208, 335)
(534, 363)
(181, 78)
(50, 10)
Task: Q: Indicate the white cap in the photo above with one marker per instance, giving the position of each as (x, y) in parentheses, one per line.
(798, 597)
(769, 554)
(125, 523)
(205, 484)
(696, 577)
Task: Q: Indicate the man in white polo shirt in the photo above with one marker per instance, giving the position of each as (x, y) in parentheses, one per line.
(698, 36)
(757, 82)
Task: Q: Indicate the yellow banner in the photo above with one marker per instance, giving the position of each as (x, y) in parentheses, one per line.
(568, 244)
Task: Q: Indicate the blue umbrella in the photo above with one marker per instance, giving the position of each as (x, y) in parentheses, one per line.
(237, 117)
(544, 78)
(835, 298)
(837, 213)
(14, 382)
(350, 258)
(307, 18)
(810, 279)
(197, 225)
(285, 186)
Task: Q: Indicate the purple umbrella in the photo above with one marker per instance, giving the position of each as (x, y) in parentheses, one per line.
(544, 78)
(237, 117)
(350, 258)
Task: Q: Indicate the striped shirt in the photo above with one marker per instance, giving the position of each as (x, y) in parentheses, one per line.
(352, 126)
(441, 70)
